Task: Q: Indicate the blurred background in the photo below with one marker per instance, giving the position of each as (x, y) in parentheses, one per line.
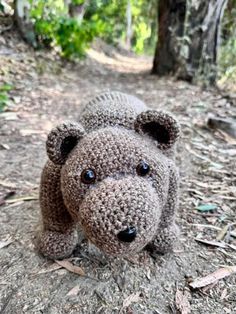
(191, 40)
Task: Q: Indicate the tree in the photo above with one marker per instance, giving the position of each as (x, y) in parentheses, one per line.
(188, 39)
(22, 21)
(129, 31)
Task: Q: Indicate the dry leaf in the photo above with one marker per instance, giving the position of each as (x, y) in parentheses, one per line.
(209, 287)
(227, 126)
(212, 243)
(26, 132)
(229, 139)
(70, 267)
(5, 146)
(74, 291)
(181, 302)
(5, 243)
(7, 184)
(233, 247)
(222, 233)
(228, 254)
(24, 198)
(134, 297)
(223, 294)
(213, 277)
(233, 233)
(52, 267)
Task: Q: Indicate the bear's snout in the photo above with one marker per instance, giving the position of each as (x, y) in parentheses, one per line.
(120, 216)
(127, 235)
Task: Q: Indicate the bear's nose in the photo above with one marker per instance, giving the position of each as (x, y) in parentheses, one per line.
(127, 235)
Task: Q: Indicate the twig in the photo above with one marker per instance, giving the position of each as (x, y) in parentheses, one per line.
(24, 198)
(232, 233)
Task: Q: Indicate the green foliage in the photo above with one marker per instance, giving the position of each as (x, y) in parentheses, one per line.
(144, 16)
(4, 97)
(106, 19)
(110, 15)
(227, 52)
(1, 7)
(227, 60)
(113, 22)
(54, 27)
(74, 38)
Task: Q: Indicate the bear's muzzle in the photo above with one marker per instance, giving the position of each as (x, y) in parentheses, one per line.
(120, 216)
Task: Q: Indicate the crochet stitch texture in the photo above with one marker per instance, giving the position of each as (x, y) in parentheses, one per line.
(111, 174)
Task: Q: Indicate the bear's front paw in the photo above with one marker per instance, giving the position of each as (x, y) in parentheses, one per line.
(165, 240)
(57, 245)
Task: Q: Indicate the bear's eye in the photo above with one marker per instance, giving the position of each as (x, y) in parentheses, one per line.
(88, 176)
(142, 168)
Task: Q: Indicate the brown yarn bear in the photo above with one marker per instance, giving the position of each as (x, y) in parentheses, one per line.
(113, 175)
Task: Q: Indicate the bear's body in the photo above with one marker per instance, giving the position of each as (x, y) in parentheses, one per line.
(112, 173)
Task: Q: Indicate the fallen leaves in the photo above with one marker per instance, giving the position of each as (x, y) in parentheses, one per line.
(27, 132)
(3, 199)
(232, 232)
(182, 302)
(7, 184)
(212, 243)
(226, 125)
(5, 146)
(223, 238)
(226, 137)
(206, 207)
(23, 198)
(222, 233)
(71, 267)
(52, 267)
(213, 277)
(6, 242)
(74, 291)
(134, 297)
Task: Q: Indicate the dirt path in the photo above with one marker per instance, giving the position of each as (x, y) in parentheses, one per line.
(46, 93)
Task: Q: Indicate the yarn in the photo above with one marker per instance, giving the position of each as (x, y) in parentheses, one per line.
(113, 175)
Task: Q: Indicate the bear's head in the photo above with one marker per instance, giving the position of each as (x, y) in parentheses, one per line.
(115, 180)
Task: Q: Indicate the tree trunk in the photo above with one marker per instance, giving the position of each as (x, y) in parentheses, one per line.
(23, 23)
(129, 25)
(188, 39)
(76, 10)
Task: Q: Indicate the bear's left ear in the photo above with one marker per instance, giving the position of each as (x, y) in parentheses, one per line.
(62, 139)
(160, 126)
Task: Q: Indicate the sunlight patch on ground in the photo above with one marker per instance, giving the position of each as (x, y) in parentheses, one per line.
(121, 63)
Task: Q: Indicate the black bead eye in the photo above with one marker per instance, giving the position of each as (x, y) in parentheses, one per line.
(88, 176)
(142, 168)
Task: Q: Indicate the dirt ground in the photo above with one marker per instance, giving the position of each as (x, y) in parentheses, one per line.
(47, 91)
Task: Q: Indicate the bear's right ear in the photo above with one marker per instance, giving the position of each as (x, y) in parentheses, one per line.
(162, 127)
(61, 140)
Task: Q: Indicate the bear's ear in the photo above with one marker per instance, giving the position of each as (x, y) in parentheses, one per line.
(160, 126)
(62, 139)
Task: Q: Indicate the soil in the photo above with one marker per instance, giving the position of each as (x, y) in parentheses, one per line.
(47, 91)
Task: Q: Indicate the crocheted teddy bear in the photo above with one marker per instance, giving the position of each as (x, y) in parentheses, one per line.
(113, 175)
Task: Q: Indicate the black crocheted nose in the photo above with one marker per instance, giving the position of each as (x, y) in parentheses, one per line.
(128, 235)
